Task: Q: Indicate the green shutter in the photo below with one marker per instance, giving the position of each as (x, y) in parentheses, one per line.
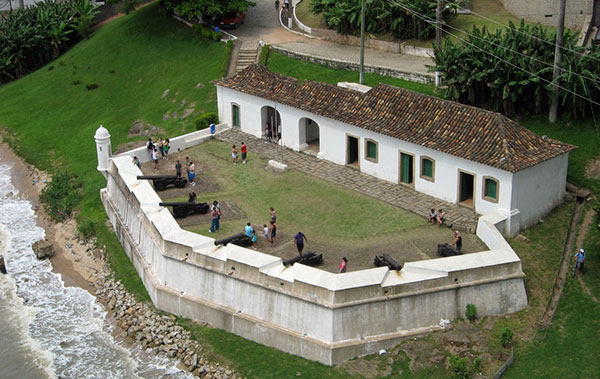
(236, 115)
(371, 150)
(427, 168)
(491, 188)
(406, 177)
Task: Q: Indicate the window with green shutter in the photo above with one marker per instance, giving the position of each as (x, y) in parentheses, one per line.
(490, 189)
(371, 150)
(427, 168)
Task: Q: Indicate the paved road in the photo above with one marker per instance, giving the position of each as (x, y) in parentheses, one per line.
(262, 24)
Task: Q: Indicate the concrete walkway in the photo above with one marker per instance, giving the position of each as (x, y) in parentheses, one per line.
(398, 195)
(262, 24)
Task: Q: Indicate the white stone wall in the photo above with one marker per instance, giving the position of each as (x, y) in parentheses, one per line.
(536, 11)
(302, 310)
(537, 190)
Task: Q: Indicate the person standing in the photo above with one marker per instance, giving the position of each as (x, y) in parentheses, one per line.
(178, 169)
(253, 238)
(268, 132)
(234, 154)
(277, 6)
(580, 256)
(217, 208)
(214, 220)
(192, 175)
(273, 215)
(155, 158)
(267, 231)
(149, 147)
(166, 148)
(343, 265)
(136, 162)
(161, 148)
(299, 239)
(457, 240)
(273, 232)
(244, 152)
(187, 167)
(192, 197)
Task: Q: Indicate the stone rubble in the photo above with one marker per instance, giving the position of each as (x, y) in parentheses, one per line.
(152, 330)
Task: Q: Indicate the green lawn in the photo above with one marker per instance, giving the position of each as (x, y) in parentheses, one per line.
(283, 64)
(319, 208)
(50, 117)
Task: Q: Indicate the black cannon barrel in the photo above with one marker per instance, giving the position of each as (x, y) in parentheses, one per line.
(386, 260)
(299, 258)
(177, 203)
(154, 177)
(227, 240)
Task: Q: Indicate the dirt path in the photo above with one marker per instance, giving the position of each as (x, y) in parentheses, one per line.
(585, 226)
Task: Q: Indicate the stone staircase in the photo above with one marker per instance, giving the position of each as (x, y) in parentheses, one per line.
(248, 55)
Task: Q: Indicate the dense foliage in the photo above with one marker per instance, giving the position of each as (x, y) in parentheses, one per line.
(402, 18)
(205, 10)
(61, 196)
(33, 36)
(510, 71)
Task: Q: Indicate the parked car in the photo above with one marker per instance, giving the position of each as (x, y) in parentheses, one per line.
(232, 19)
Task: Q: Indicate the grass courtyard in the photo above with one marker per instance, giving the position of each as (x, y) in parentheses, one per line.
(337, 221)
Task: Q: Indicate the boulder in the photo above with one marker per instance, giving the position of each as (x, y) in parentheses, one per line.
(43, 249)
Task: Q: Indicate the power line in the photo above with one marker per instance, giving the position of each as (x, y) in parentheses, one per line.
(517, 30)
(430, 21)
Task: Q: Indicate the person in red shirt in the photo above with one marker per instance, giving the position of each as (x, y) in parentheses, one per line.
(244, 151)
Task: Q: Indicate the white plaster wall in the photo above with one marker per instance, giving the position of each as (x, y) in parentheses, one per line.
(538, 189)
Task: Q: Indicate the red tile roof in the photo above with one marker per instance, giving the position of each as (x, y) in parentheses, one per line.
(464, 131)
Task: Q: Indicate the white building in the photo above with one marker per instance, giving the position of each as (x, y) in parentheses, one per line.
(458, 153)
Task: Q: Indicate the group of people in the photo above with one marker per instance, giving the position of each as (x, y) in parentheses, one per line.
(272, 134)
(270, 231)
(234, 153)
(436, 217)
(154, 149)
(190, 169)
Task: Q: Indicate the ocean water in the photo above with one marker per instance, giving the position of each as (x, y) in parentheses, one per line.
(48, 330)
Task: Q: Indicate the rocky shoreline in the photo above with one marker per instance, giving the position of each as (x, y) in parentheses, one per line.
(83, 264)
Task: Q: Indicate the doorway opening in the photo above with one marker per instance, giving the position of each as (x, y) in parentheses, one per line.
(351, 151)
(466, 186)
(309, 136)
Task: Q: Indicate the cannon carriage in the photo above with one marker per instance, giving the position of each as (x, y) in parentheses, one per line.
(185, 208)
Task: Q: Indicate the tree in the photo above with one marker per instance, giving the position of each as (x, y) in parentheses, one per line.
(206, 9)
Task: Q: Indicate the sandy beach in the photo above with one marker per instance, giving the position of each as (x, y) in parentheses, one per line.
(76, 265)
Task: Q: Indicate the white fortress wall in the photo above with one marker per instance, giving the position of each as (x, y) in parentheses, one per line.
(302, 310)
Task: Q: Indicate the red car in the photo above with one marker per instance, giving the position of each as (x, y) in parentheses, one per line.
(232, 19)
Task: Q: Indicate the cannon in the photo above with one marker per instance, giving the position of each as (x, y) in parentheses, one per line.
(239, 239)
(445, 250)
(309, 258)
(160, 182)
(183, 209)
(386, 260)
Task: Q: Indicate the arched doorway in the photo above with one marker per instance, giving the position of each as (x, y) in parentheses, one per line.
(309, 136)
(271, 115)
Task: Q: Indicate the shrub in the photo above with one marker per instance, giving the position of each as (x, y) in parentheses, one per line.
(128, 6)
(459, 367)
(92, 86)
(506, 336)
(264, 55)
(206, 33)
(197, 28)
(87, 228)
(61, 196)
(227, 58)
(471, 312)
(216, 36)
(205, 120)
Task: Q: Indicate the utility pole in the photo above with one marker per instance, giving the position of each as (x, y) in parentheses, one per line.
(361, 78)
(557, 61)
(438, 36)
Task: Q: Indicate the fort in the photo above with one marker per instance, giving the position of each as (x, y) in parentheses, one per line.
(299, 309)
